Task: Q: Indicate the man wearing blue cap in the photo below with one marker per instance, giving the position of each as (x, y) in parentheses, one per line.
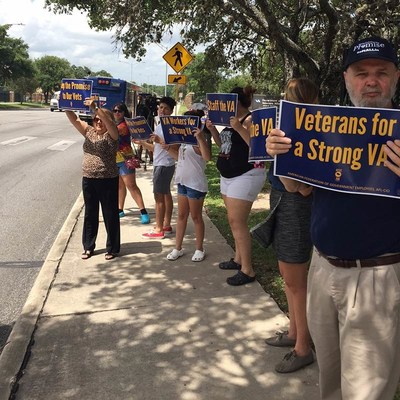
(354, 277)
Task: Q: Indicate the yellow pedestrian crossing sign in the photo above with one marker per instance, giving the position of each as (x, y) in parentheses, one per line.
(177, 57)
(177, 79)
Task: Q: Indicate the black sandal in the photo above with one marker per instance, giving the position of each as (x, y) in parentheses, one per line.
(87, 254)
(231, 264)
(240, 279)
(110, 256)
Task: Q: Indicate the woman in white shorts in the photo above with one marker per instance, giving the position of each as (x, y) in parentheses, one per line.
(241, 182)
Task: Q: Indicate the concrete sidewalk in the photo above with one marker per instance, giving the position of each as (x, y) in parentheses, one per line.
(141, 327)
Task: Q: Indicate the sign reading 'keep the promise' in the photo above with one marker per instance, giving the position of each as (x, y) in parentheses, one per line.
(339, 148)
(138, 128)
(74, 92)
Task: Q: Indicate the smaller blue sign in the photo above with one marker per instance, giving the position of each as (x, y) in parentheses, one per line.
(139, 128)
(179, 129)
(262, 121)
(74, 92)
(221, 107)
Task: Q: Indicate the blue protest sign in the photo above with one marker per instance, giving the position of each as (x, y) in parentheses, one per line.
(179, 129)
(139, 128)
(221, 107)
(262, 121)
(74, 92)
(339, 148)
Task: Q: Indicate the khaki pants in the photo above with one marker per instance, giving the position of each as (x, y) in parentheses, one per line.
(353, 317)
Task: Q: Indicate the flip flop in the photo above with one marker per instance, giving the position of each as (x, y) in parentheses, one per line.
(86, 254)
(110, 256)
(198, 255)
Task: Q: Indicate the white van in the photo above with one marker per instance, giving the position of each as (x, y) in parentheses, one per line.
(54, 101)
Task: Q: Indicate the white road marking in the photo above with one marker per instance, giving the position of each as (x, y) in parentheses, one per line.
(62, 145)
(18, 140)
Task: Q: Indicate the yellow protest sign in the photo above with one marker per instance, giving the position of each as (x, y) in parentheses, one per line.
(177, 57)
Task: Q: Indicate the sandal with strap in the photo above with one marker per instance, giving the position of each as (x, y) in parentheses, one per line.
(198, 255)
(87, 254)
(240, 279)
(110, 256)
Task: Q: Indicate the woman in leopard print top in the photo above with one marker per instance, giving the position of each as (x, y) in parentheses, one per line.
(100, 179)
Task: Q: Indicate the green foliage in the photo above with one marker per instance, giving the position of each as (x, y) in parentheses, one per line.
(20, 106)
(228, 84)
(51, 70)
(78, 72)
(202, 78)
(23, 86)
(102, 73)
(303, 37)
(14, 58)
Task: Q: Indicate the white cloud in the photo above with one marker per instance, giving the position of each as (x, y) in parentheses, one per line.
(70, 37)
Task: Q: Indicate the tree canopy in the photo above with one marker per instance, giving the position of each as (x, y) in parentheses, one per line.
(14, 58)
(51, 70)
(305, 37)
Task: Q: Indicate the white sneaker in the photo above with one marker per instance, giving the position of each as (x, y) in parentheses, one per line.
(175, 254)
(199, 255)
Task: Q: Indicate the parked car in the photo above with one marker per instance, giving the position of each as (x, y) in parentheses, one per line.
(54, 101)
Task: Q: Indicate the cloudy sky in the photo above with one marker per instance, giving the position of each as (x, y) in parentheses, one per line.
(69, 37)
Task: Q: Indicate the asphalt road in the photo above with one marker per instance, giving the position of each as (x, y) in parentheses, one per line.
(40, 180)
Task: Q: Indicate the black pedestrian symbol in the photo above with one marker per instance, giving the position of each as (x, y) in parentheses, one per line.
(178, 54)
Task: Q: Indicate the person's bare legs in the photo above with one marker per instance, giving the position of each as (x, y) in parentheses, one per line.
(196, 212)
(160, 211)
(130, 183)
(295, 277)
(183, 214)
(121, 193)
(169, 205)
(238, 214)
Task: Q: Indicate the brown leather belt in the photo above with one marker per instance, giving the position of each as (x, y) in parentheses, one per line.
(367, 263)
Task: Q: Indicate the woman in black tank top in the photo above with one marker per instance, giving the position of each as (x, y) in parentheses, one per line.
(241, 182)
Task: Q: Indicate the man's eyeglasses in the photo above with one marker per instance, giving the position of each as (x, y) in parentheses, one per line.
(117, 111)
(97, 120)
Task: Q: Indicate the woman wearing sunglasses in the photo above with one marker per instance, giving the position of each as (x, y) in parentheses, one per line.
(127, 177)
(100, 179)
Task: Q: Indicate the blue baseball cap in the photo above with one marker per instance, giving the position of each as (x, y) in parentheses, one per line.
(371, 47)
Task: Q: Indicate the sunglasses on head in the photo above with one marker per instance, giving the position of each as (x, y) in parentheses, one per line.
(117, 111)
